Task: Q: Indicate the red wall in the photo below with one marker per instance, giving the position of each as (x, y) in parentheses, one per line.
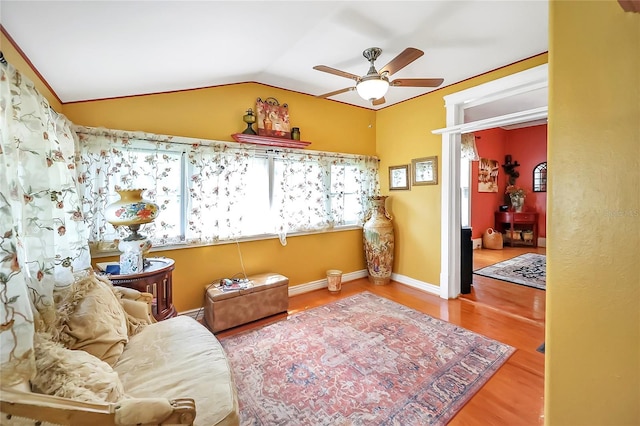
(527, 146)
(490, 144)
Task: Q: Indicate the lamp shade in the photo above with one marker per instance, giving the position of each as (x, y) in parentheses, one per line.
(372, 88)
(131, 209)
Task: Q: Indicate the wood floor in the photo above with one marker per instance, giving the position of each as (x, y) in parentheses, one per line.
(510, 313)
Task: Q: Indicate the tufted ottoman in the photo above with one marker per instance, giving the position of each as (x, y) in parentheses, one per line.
(267, 295)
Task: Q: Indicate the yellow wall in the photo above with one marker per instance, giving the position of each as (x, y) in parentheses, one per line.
(592, 367)
(404, 133)
(12, 56)
(216, 113)
(303, 259)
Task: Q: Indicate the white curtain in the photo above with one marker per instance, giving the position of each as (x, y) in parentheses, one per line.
(230, 190)
(213, 183)
(43, 236)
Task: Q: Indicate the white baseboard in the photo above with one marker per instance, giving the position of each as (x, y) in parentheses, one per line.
(477, 243)
(420, 285)
(198, 313)
(542, 242)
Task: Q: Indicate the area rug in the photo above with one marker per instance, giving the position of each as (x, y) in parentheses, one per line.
(528, 269)
(362, 360)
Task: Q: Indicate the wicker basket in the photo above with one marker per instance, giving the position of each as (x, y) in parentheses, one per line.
(492, 239)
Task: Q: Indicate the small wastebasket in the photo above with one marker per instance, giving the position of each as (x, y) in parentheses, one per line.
(334, 280)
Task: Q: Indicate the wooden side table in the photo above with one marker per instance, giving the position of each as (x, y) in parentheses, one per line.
(517, 221)
(154, 279)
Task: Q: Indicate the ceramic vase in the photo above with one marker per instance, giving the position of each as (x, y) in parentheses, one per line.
(379, 242)
(517, 202)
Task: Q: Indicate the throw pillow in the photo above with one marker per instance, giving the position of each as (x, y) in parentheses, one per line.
(73, 374)
(91, 318)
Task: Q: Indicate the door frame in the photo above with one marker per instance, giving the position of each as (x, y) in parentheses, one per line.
(516, 84)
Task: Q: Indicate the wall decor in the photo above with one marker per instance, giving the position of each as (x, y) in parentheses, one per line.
(540, 178)
(399, 177)
(425, 171)
(273, 118)
(510, 169)
(488, 175)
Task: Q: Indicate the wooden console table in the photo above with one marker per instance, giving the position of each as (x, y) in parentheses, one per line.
(154, 279)
(517, 221)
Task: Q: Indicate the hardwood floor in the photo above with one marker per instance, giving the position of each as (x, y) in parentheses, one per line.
(510, 313)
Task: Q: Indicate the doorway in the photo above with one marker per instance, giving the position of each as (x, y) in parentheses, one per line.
(514, 99)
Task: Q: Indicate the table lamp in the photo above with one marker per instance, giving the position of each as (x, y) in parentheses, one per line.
(132, 210)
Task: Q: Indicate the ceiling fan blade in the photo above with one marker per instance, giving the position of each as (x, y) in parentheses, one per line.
(405, 57)
(379, 101)
(417, 82)
(336, 92)
(334, 71)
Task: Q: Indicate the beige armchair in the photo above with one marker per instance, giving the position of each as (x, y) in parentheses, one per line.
(164, 370)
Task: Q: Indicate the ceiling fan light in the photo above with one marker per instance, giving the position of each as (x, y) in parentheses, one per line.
(372, 89)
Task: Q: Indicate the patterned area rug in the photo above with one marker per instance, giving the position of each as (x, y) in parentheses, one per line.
(528, 269)
(362, 360)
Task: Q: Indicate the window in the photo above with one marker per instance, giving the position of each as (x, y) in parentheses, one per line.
(540, 178)
(217, 191)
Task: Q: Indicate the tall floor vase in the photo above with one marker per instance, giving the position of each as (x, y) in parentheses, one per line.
(379, 242)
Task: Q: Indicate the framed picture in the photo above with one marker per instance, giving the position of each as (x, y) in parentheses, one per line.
(425, 171)
(488, 175)
(399, 177)
(273, 118)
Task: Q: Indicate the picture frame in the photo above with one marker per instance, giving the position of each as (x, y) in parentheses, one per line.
(399, 177)
(273, 118)
(488, 175)
(425, 170)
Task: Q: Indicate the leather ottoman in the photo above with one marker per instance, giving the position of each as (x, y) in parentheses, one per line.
(267, 294)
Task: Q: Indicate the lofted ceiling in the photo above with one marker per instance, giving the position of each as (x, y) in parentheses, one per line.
(103, 49)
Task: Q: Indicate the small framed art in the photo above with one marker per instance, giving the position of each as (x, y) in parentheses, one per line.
(425, 171)
(399, 177)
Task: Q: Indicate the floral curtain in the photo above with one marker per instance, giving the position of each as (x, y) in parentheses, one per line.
(43, 237)
(214, 181)
(468, 148)
(225, 186)
(311, 191)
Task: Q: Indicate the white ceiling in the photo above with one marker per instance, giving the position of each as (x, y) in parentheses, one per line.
(101, 49)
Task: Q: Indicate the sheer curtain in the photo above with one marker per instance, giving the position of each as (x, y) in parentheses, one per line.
(43, 236)
(211, 191)
(211, 178)
(314, 191)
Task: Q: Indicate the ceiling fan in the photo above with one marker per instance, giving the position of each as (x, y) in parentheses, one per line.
(374, 85)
